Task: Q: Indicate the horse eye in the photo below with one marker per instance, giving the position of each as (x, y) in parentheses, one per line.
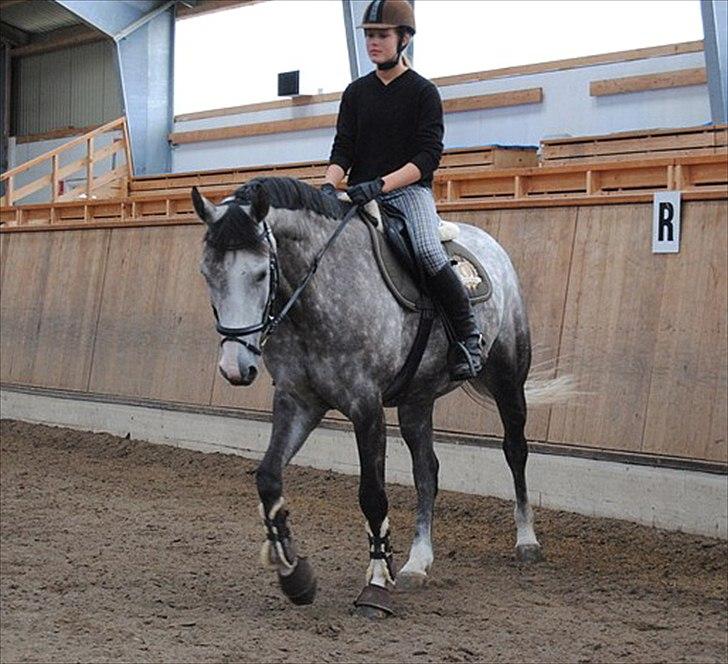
(260, 276)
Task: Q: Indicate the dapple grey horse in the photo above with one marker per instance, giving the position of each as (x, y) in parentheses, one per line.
(338, 345)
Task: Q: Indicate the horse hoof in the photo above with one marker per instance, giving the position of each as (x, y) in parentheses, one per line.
(411, 580)
(374, 602)
(529, 553)
(300, 585)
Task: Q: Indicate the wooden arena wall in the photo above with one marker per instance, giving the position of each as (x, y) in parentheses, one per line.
(123, 312)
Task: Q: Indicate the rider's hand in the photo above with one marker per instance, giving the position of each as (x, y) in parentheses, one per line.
(328, 189)
(362, 193)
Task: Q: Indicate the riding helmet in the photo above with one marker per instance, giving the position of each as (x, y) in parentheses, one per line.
(389, 14)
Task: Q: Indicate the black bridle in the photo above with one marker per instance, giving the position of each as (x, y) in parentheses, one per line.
(270, 322)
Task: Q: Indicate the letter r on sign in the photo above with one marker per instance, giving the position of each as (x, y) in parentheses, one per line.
(666, 222)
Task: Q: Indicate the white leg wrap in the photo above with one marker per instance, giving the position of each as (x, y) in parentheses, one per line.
(272, 553)
(378, 570)
(524, 527)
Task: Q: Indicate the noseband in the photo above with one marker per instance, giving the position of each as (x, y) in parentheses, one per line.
(269, 323)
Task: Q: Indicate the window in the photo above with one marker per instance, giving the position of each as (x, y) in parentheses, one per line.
(457, 37)
(233, 57)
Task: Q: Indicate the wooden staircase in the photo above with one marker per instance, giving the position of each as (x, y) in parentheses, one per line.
(112, 183)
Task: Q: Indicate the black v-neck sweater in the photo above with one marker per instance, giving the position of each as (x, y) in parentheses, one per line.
(382, 127)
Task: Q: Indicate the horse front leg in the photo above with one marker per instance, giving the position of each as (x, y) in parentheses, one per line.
(375, 600)
(415, 423)
(293, 421)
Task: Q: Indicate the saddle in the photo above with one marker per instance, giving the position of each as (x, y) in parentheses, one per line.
(398, 265)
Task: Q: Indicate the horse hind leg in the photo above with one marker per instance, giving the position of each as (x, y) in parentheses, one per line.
(504, 381)
(415, 423)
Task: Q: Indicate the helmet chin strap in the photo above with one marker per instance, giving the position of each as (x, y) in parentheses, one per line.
(390, 64)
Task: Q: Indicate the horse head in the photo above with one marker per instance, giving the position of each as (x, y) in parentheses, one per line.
(238, 264)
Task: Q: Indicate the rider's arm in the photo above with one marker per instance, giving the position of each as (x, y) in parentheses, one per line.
(342, 151)
(408, 174)
(334, 174)
(429, 133)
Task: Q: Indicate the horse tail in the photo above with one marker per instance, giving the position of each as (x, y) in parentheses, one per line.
(541, 389)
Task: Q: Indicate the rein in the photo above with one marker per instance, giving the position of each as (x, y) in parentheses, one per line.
(269, 322)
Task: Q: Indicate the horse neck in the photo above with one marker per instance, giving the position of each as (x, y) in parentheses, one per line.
(299, 236)
(347, 265)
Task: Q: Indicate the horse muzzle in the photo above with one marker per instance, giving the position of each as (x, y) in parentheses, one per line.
(237, 365)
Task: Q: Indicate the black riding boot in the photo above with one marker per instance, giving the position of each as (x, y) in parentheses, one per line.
(463, 358)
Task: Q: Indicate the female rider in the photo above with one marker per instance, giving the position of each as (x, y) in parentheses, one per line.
(389, 139)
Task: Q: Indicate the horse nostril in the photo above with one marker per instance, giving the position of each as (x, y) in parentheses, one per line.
(252, 373)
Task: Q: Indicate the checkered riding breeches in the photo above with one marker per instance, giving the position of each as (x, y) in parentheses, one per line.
(418, 206)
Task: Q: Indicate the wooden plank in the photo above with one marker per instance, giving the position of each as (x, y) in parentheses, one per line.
(49, 307)
(635, 133)
(573, 63)
(610, 328)
(658, 81)
(630, 179)
(647, 144)
(710, 174)
(543, 182)
(155, 340)
(5, 242)
(32, 187)
(115, 146)
(493, 100)
(686, 414)
(302, 100)
(253, 129)
(27, 271)
(72, 167)
(71, 301)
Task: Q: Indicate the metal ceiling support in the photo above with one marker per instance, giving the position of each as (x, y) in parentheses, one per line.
(146, 59)
(144, 34)
(359, 62)
(715, 37)
(143, 20)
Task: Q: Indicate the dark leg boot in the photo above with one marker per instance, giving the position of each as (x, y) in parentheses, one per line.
(464, 360)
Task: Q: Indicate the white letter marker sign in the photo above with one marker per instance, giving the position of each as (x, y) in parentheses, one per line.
(666, 222)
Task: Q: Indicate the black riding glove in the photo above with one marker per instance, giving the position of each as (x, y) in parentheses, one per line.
(329, 189)
(362, 193)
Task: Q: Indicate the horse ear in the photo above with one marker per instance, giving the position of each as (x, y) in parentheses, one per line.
(259, 203)
(205, 210)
